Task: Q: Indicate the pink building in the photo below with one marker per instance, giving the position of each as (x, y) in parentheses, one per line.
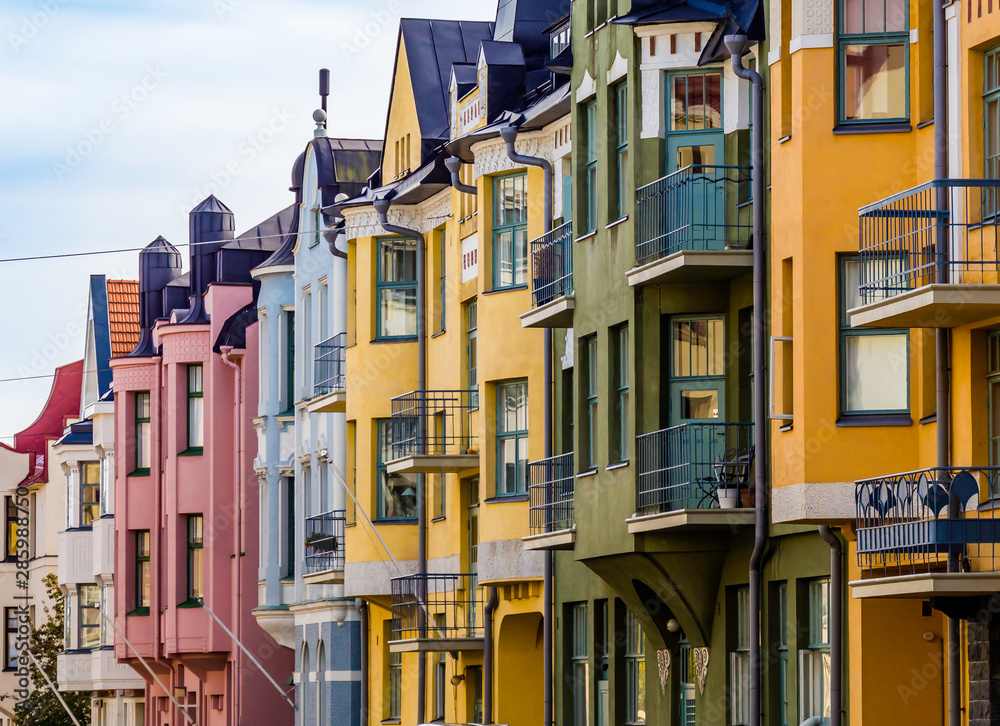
(186, 499)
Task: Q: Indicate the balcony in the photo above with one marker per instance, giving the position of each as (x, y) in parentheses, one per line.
(694, 475)
(436, 613)
(552, 298)
(694, 225)
(324, 555)
(910, 525)
(330, 376)
(432, 433)
(550, 489)
(929, 257)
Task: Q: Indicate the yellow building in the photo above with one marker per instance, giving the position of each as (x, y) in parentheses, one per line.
(438, 449)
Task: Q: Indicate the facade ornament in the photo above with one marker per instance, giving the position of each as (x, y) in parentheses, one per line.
(700, 667)
(663, 666)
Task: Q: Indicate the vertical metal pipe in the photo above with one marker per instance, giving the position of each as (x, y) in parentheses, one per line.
(736, 45)
(491, 606)
(509, 135)
(362, 607)
(836, 637)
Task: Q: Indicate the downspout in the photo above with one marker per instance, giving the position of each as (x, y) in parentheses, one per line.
(237, 539)
(736, 44)
(158, 518)
(362, 608)
(836, 607)
(453, 164)
(491, 606)
(509, 135)
(382, 208)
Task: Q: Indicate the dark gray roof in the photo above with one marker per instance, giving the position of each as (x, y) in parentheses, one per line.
(340, 161)
(465, 77)
(211, 205)
(502, 54)
(526, 22)
(268, 234)
(284, 255)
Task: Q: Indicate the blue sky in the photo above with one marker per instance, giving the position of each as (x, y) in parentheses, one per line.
(119, 115)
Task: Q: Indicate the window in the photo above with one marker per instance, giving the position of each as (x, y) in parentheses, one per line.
(195, 409)
(814, 659)
(107, 473)
(512, 438)
(306, 328)
(698, 353)
(89, 603)
(580, 665)
(10, 552)
(695, 105)
(472, 351)
(739, 662)
(442, 276)
(559, 40)
(105, 608)
(782, 632)
(439, 495)
(619, 366)
(11, 622)
(621, 138)
(510, 231)
(195, 547)
(396, 288)
(68, 621)
(874, 364)
(873, 48)
(474, 693)
(289, 526)
(601, 644)
(991, 123)
(143, 580)
(440, 676)
(323, 311)
(590, 175)
(143, 433)
(90, 492)
(635, 671)
(397, 493)
(289, 360)
(589, 351)
(395, 683)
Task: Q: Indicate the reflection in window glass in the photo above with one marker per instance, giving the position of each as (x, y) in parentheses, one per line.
(397, 493)
(396, 288)
(696, 102)
(510, 231)
(512, 438)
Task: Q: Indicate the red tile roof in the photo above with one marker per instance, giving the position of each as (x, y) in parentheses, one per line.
(123, 316)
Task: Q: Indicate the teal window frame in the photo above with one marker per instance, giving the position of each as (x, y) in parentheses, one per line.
(443, 261)
(89, 617)
(195, 560)
(195, 376)
(383, 440)
(991, 136)
(816, 650)
(395, 682)
(518, 436)
(782, 643)
(669, 94)
(621, 140)
(635, 671)
(588, 350)
(739, 657)
(846, 332)
(590, 181)
(870, 38)
(142, 426)
(383, 285)
(580, 664)
(472, 351)
(620, 383)
(143, 572)
(993, 383)
(515, 224)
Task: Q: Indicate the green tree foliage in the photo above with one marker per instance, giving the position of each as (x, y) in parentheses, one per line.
(41, 707)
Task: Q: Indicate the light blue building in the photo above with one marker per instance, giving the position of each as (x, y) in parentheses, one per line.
(302, 437)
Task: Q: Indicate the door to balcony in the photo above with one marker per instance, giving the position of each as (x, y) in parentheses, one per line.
(699, 157)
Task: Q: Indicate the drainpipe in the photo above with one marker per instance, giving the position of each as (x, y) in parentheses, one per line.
(237, 544)
(736, 44)
(362, 608)
(509, 135)
(157, 470)
(382, 208)
(453, 164)
(491, 606)
(836, 644)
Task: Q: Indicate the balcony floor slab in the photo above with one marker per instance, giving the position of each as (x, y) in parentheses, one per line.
(327, 577)
(925, 585)
(564, 539)
(433, 464)
(930, 306)
(690, 519)
(435, 645)
(556, 313)
(693, 266)
(333, 402)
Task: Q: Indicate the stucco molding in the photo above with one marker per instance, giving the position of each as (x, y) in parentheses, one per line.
(813, 503)
(618, 69)
(652, 103)
(364, 222)
(587, 88)
(491, 155)
(506, 559)
(373, 579)
(818, 40)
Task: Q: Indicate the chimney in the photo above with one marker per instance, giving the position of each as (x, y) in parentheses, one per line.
(159, 263)
(211, 225)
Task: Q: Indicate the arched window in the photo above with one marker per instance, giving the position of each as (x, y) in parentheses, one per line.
(321, 700)
(304, 690)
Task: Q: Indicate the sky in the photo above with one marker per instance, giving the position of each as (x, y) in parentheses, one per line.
(118, 116)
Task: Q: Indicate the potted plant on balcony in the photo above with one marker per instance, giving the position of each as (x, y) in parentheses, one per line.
(322, 542)
(729, 494)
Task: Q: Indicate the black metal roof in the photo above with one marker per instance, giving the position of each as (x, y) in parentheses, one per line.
(234, 330)
(527, 22)
(267, 235)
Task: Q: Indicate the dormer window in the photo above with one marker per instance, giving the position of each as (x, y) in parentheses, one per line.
(559, 40)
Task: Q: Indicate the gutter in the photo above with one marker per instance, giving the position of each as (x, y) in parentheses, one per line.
(736, 44)
(509, 135)
(836, 637)
(382, 208)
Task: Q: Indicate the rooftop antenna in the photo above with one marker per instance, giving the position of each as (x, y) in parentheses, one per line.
(324, 89)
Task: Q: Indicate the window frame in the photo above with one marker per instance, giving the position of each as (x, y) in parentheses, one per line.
(383, 441)
(383, 285)
(591, 401)
(620, 97)
(443, 277)
(82, 486)
(687, 74)
(991, 95)
(81, 625)
(590, 179)
(739, 658)
(142, 572)
(472, 350)
(512, 228)
(815, 650)
(845, 331)
(193, 395)
(518, 436)
(142, 424)
(845, 39)
(289, 316)
(10, 637)
(12, 530)
(195, 544)
(395, 674)
(620, 384)
(635, 670)
(579, 653)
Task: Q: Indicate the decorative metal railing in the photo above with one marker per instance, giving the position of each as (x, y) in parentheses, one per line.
(325, 542)
(434, 423)
(698, 208)
(550, 489)
(552, 265)
(331, 367)
(915, 521)
(436, 606)
(944, 231)
(695, 466)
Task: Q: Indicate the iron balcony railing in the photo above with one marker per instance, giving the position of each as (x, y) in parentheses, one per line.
(695, 466)
(436, 606)
(550, 489)
(552, 265)
(914, 522)
(331, 367)
(698, 208)
(325, 542)
(944, 231)
(434, 423)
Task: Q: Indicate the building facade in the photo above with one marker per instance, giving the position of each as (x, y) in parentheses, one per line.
(85, 457)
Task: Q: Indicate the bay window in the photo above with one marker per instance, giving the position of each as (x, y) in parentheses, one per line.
(510, 231)
(873, 51)
(396, 288)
